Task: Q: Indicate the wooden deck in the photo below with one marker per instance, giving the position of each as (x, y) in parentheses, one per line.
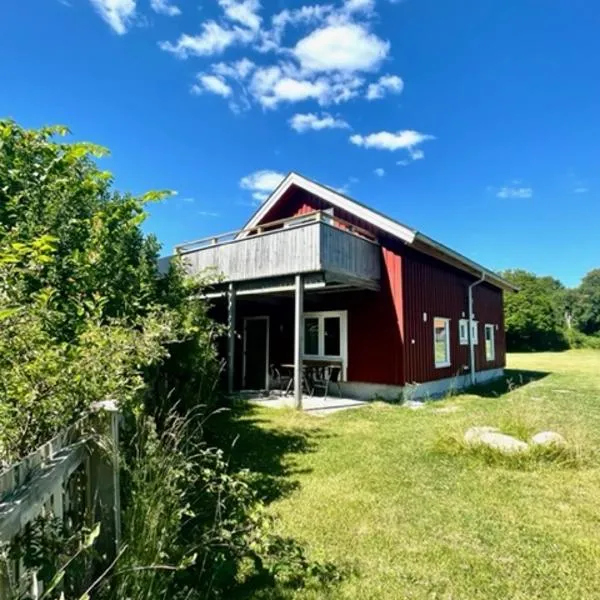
(315, 243)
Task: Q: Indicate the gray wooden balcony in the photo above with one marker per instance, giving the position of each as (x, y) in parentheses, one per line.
(317, 243)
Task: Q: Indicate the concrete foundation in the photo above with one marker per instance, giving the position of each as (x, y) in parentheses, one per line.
(429, 389)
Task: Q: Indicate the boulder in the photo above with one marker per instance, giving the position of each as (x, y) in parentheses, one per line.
(493, 438)
(548, 438)
(473, 434)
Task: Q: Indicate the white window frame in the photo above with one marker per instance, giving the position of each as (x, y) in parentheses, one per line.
(475, 332)
(321, 316)
(492, 329)
(463, 332)
(448, 361)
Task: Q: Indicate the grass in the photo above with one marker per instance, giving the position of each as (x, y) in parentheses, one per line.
(380, 492)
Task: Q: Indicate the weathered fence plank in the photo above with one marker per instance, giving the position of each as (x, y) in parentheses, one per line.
(42, 484)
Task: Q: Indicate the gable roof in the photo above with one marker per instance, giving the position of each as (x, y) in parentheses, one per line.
(406, 234)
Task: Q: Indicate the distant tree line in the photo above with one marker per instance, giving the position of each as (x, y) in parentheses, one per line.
(545, 315)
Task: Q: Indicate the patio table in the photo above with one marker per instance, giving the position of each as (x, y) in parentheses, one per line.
(307, 367)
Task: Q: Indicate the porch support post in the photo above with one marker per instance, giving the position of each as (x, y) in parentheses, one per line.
(298, 340)
(230, 337)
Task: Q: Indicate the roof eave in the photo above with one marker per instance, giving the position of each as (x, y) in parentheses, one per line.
(402, 232)
(468, 264)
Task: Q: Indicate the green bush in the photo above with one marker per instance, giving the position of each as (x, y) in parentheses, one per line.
(577, 339)
(85, 316)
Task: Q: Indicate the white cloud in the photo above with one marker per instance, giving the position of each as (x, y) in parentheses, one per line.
(581, 190)
(243, 12)
(273, 85)
(288, 89)
(212, 84)
(364, 6)
(379, 172)
(215, 37)
(261, 183)
(327, 66)
(304, 122)
(208, 213)
(387, 83)
(238, 70)
(304, 14)
(117, 13)
(271, 39)
(416, 154)
(514, 192)
(341, 47)
(386, 140)
(213, 40)
(163, 7)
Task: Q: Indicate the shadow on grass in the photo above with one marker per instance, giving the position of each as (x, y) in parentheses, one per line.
(252, 443)
(513, 379)
(265, 451)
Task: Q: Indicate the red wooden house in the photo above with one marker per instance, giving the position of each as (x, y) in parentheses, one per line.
(315, 276)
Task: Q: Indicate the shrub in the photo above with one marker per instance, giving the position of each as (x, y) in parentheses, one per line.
(576, 339)
(192, 528)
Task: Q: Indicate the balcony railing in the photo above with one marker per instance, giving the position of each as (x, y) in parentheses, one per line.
(312, 243)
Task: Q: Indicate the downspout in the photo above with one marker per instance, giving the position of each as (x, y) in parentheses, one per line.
(471, 341)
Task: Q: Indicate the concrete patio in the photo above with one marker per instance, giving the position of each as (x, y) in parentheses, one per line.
(315, 405)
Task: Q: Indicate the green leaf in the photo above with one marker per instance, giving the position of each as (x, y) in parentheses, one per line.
(157, 195)
(89, 540)
(7, 312)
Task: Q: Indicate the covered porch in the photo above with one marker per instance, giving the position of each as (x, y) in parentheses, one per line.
(289, 347)
(284, 291)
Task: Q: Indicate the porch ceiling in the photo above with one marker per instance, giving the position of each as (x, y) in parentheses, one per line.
(314, 282)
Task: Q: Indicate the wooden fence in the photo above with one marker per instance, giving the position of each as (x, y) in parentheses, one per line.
(75, 472)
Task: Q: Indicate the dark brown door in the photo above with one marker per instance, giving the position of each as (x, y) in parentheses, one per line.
(256, 353)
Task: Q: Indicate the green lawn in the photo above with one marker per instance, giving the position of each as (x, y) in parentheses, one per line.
(378, 492)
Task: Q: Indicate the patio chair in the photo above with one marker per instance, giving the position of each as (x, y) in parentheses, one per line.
(323, 377)
(276, 380)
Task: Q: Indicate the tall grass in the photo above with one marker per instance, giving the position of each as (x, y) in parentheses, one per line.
(158, 469)
(192, 527)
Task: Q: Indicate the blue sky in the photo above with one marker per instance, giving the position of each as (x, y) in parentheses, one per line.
(475, 121)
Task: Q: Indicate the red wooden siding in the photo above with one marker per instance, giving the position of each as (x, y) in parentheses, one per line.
(388, 340)
(438, 290)
(375, 319)
(298, 202)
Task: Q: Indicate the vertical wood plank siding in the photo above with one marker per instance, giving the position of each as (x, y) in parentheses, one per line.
(278, 253)
(388, 341)
(440, 291)
(347, 254)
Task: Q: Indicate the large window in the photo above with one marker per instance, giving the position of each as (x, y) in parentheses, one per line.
(490, 346)
(441, 341)
(325, 336)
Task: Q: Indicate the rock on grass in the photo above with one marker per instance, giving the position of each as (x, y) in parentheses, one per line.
(548, 438)
(493, 438)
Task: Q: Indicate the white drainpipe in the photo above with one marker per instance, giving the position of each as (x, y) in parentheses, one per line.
(471, 341)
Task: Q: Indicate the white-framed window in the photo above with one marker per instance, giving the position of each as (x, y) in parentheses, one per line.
(441, 342)
(475, 332)
(326, 336)
(463, 332)
(490, 346)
